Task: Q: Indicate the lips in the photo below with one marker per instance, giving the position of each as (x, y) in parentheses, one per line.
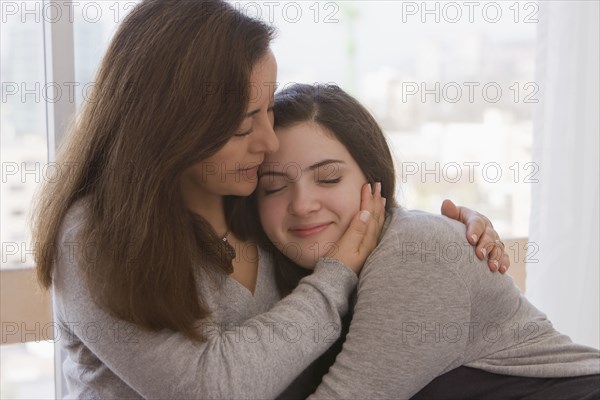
(304, 231)
(250, 171)
(251, 167)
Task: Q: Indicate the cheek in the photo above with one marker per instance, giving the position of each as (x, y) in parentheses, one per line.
(199, 173)
(348, 212)
(228, 158)
(349, 205)
(271, 213)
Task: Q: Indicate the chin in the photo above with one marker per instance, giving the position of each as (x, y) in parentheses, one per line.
(243, 190)
(309, 261)
(307, 264)
(291, 252)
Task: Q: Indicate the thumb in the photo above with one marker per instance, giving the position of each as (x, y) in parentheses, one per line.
(347, 249)
(354, 235)
(450, 210)
(358, 227)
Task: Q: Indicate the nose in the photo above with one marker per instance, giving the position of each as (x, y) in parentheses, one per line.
(303, 201)
(265, 139)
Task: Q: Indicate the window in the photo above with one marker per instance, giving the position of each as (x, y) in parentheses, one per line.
(23, 120)
(451, 84)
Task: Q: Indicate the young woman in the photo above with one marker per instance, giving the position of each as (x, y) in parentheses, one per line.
(158, 291)
(423, 307)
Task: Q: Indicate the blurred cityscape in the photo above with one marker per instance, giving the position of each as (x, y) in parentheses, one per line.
(454, 98)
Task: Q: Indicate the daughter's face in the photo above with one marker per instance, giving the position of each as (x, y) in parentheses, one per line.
(308, 192)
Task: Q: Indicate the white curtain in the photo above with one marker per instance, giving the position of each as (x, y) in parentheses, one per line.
(564, 282)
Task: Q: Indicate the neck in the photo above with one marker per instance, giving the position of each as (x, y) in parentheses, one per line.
(208, 206)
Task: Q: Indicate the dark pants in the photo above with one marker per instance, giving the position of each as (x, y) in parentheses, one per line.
(469, 383)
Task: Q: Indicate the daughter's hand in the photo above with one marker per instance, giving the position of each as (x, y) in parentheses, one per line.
(362, 235)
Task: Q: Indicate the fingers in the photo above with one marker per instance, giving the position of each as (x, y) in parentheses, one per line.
(500, 256)
(362, 234)
(498, 260)
(348, 248)
(495, 251)
(358, 228)
(504, 262)
(475, 222)
(372, 201)
(477, 228)
(366, 198)
(486, 243)
(378, 205)
(480, 233)
(374, 229)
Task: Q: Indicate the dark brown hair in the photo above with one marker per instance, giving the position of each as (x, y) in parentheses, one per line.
(350, 123)
(172, 88)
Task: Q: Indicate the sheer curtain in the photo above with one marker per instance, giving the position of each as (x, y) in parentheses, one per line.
(563, 276)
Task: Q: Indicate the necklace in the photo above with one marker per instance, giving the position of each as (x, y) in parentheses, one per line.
(228, 247)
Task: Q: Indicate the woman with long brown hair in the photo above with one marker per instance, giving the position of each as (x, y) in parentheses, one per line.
(159, 290)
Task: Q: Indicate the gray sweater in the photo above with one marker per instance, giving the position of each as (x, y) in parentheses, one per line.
(255, 345)
(426, 305)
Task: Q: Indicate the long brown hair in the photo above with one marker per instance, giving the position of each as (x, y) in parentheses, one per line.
(350, 123)
(171, 90)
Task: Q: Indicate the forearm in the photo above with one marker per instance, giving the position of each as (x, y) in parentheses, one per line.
(258, 359)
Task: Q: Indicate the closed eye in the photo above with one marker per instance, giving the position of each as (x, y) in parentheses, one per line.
(272, 191)
(245, 133)
(330, 181)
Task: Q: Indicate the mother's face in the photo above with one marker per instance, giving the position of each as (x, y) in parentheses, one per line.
(308, 192)
(233, 169)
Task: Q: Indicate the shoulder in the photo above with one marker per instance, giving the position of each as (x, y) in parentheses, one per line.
(74, 220)
(406, 228)
(430, 247)
(428, 250)
(416, 222)
(435, 250)
(69, 244)
(414, 266)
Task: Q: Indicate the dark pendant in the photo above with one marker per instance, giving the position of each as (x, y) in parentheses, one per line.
(229, 249)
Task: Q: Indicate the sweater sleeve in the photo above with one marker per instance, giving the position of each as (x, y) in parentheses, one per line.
(408, 324)
(257, 359)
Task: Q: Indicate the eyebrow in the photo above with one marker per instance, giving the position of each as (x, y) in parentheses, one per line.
(311, 168)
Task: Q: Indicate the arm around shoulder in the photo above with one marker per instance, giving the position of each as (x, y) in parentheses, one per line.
(256, 359)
